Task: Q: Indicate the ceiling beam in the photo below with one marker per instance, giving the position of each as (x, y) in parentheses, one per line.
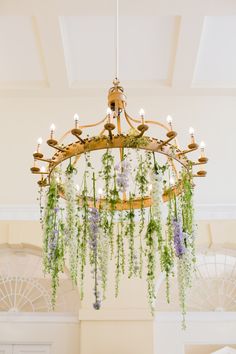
(187, 51)
(131, 7)
(48, 32)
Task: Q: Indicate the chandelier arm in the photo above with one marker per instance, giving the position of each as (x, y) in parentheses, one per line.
(57, 147)
(82, 127)
(132, 119)
(77, 157)
(184, 152)
(118, 125)
(40, 173)
(128, 121)
(121, 149)
(102, 132)
(43, 160)
(158, 123)
(119, 132)
(165, 142)
(93, 125)
(199, 163)
(148, 122)
(174, 167)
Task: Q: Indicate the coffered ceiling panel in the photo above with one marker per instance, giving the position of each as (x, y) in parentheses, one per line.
(217, 53)
(21, 62)
(147, 46)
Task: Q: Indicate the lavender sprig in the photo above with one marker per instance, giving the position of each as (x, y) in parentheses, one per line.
(179, 245)
(122, 180)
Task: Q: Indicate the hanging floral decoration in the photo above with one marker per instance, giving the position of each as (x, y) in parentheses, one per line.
(122, 207)
(84, 233)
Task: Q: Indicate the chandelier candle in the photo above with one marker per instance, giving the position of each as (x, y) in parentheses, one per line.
(40, 140)
(52, 130)
(76, 119)
(142, 113)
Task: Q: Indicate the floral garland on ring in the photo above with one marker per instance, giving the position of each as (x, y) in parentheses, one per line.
(90, 231)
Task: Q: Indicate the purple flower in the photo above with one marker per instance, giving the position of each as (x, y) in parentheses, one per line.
(123, 176)
(53, 244)
(97, 305)
(178, 238)
(94, 219)
(56, 209)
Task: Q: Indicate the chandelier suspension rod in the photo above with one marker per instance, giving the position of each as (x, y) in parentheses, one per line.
(117, 39)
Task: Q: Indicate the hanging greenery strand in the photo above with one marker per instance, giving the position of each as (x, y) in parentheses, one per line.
(89, 227)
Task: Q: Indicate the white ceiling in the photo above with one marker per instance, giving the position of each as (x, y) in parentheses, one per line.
(166, 47)
(215, 65)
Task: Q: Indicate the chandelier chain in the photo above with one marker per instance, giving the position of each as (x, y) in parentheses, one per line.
(117, 39)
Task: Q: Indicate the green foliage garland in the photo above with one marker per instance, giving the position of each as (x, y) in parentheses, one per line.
(53, 244)
(88, 227)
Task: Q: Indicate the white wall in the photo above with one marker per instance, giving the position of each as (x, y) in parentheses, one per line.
(61, 333)
(202, 328)
(116, 337)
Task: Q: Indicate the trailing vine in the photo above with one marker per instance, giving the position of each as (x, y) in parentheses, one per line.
(70, 227)
(107, 174)
(151, 248)
(94, 230)
(130, 234)
(53, 244)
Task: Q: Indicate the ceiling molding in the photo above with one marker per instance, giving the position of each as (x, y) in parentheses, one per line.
(215, 211)
(19, 212)
(161, 317)
(115, 315)
(203, 212)
(43, 317)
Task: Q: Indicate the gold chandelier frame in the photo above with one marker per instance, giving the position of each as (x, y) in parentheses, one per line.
(108, 140)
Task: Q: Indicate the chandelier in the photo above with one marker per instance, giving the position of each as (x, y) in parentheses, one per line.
(119, 199)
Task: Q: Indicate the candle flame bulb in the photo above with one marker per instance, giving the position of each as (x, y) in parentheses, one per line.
(77, 187)
(100, 192)
(172, 181)
(142, 113)
(43, 169)
(76, 119)
(202, 147)
(109, 115)
(169, 121)
(191, 132)
(150, 187)
(52, 130)
(39, 141)
(109, 111)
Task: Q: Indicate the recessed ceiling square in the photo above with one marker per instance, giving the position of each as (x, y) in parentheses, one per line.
(217, 53)
(21, 62)
(146, 48)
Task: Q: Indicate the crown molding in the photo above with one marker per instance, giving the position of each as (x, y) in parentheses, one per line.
(203, 212)
(162, 317)
(215, 211)
(33, 317)
(19, 212)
